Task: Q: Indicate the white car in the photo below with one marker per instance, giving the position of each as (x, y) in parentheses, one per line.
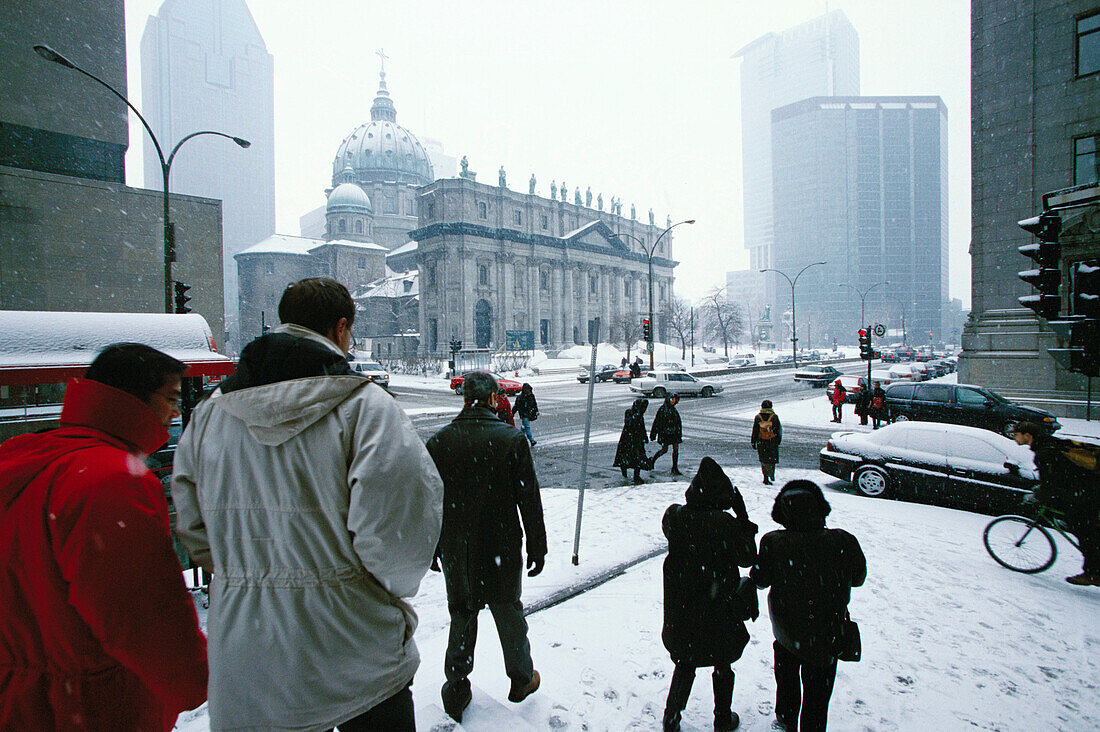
(904, 372)
(661, 383)
(373, 370)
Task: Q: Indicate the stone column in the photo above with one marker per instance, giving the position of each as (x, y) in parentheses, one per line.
(533, 295)
(605, 302)
(504, 262)
(557, 277)
(468, 267)
(568, 301)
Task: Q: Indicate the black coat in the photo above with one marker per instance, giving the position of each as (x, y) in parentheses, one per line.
(667, 427)
(878, 412)
(631, 450)
(526, 406)
(704, 616)
(489, 483)
(767, 450)
(811, 573)
(1064, 485)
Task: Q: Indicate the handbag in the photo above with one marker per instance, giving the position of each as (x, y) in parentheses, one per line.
(851, 648)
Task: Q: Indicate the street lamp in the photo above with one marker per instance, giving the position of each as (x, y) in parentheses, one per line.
(904, 341)
(863, 297)
(794, 331)
(165, 165)
(649, 258)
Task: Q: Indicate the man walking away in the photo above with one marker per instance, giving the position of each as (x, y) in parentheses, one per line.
(811, 571)
(705, 614)
(767, 433)
(527, 409)
(307, 492)
(1069, 476)
(878, 405)
(668, 432)
(837, 398)
(489, 486)
(97, 630)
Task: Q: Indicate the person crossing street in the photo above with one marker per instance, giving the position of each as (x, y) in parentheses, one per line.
(668, 432)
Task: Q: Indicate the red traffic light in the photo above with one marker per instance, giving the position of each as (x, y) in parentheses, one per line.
(863, 333)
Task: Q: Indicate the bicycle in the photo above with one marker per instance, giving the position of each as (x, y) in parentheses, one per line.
(1025, 544)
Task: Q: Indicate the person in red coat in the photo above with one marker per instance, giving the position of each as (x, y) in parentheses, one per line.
(97, 629)
(837, 399)
(504, 407)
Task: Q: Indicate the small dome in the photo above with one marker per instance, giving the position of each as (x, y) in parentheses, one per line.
(349, 198)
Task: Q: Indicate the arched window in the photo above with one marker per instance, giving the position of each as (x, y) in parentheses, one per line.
(358, 226)
(343, 226)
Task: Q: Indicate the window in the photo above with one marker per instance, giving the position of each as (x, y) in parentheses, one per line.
(409, 208)
(483, 275)
(358, 226)
(628, 288)
(933, 393)
(968, 397)
(433, 334)
(430, 213)
(972, 448)
(901, 391)
(519, 274)
(342, 227)
(593, 284)
(431, 276)
(408, 285)
(545, 222)
(544, 280)
(362, 263)
(1086, 159)
(482, 210)
(517, 217)
(1088, 45)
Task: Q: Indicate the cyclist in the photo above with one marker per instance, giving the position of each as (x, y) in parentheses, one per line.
(1067, 482)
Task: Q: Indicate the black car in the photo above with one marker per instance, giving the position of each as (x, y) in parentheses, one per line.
(603, 373)
(949, 465)
(817, 375)
(961, 404)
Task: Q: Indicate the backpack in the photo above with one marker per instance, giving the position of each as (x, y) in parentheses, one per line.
(1082, 454)
(876, 402)
(767, 428)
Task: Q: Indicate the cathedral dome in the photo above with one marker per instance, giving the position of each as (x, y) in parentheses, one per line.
(348, 198)
(382, 150)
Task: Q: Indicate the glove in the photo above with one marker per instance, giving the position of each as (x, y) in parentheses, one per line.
(535, 564)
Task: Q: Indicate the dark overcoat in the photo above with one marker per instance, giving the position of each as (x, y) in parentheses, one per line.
(811, 571)
(489, 485)
(631, 450)
(767, 450)
(704, 616)
(667, 427)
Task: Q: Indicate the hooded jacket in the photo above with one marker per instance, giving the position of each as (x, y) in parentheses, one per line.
(630, 452)
(667, 428)
(97, 630)
(489, 486)
(318, 508)
(811, 571)
(704, 615)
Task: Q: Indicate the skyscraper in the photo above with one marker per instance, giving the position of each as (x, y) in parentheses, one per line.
(204, 66)
(861, 183)
(817, 58)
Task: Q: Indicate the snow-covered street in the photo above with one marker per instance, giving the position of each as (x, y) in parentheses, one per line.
(951, 640)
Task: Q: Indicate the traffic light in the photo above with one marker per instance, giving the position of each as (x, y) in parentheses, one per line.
(1086, 288)
(1080, 352)
(182, 298)
(456, 345)
(647, 332)
(866, 352)
(1047, 277)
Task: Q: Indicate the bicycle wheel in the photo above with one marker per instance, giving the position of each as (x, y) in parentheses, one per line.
(1019, 544)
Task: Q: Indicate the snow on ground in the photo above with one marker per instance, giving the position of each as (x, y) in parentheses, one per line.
(951, 640)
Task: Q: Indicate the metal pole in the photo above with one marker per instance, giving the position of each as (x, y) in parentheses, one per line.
(652, 325)
(692, 311)
(584, 454)
(794, 328)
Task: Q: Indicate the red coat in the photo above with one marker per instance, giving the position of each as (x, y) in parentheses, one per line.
(97, 629)
(839, 393)
(504, 409)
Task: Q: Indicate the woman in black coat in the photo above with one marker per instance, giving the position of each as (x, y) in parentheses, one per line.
(668, 431)
(811, 571)
(631, 450)
(704, 614)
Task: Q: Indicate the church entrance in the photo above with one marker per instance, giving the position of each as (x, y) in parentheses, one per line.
(483, 323)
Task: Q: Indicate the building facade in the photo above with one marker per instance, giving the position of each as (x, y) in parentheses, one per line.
(491, 260)
(817, 58)
(73, 236)
(1043, 56)
(861, 184)
(204, 66)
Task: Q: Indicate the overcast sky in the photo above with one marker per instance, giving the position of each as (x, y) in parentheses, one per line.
(637, 99)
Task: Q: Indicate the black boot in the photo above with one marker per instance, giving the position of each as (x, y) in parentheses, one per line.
(678, 692)
(724, 717)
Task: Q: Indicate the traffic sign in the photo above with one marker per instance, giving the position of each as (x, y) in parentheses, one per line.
(879, 330)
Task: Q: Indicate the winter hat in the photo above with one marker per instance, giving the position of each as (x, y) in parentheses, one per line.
(710, 488)
(766, 404)
(640, 405)
(801, 506)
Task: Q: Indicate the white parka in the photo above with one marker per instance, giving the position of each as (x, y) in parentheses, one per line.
(319, 509)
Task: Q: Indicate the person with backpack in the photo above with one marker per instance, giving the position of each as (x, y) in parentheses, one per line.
(1069, 474)
(837, 399)
(878, 405)
(706, 602)
(767, 433)
(528, 410)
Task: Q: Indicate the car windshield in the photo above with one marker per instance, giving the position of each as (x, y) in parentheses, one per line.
(994, 396)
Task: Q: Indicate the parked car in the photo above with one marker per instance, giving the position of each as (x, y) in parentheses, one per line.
(603, 373)
(671, 366)
(511, 387)
(964, 404)
(373, 370)
(622, 376)
(922, 368)
(906, 354)
(904, 372)
(742, 360)
(660, 384)
(817, 375)
(949, 465)
(781, 359)
(853, 385)
(890, 356)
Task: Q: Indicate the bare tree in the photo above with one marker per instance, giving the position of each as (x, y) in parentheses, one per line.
(627, 330)
(721, 319)
(677, 313)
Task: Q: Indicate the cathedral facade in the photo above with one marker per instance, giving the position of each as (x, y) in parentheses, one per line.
(493, 260)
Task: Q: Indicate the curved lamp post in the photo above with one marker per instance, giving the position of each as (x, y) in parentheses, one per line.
(794, 330)
(904, 341)
(165, 164)
(863, 298)
(649, 258)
